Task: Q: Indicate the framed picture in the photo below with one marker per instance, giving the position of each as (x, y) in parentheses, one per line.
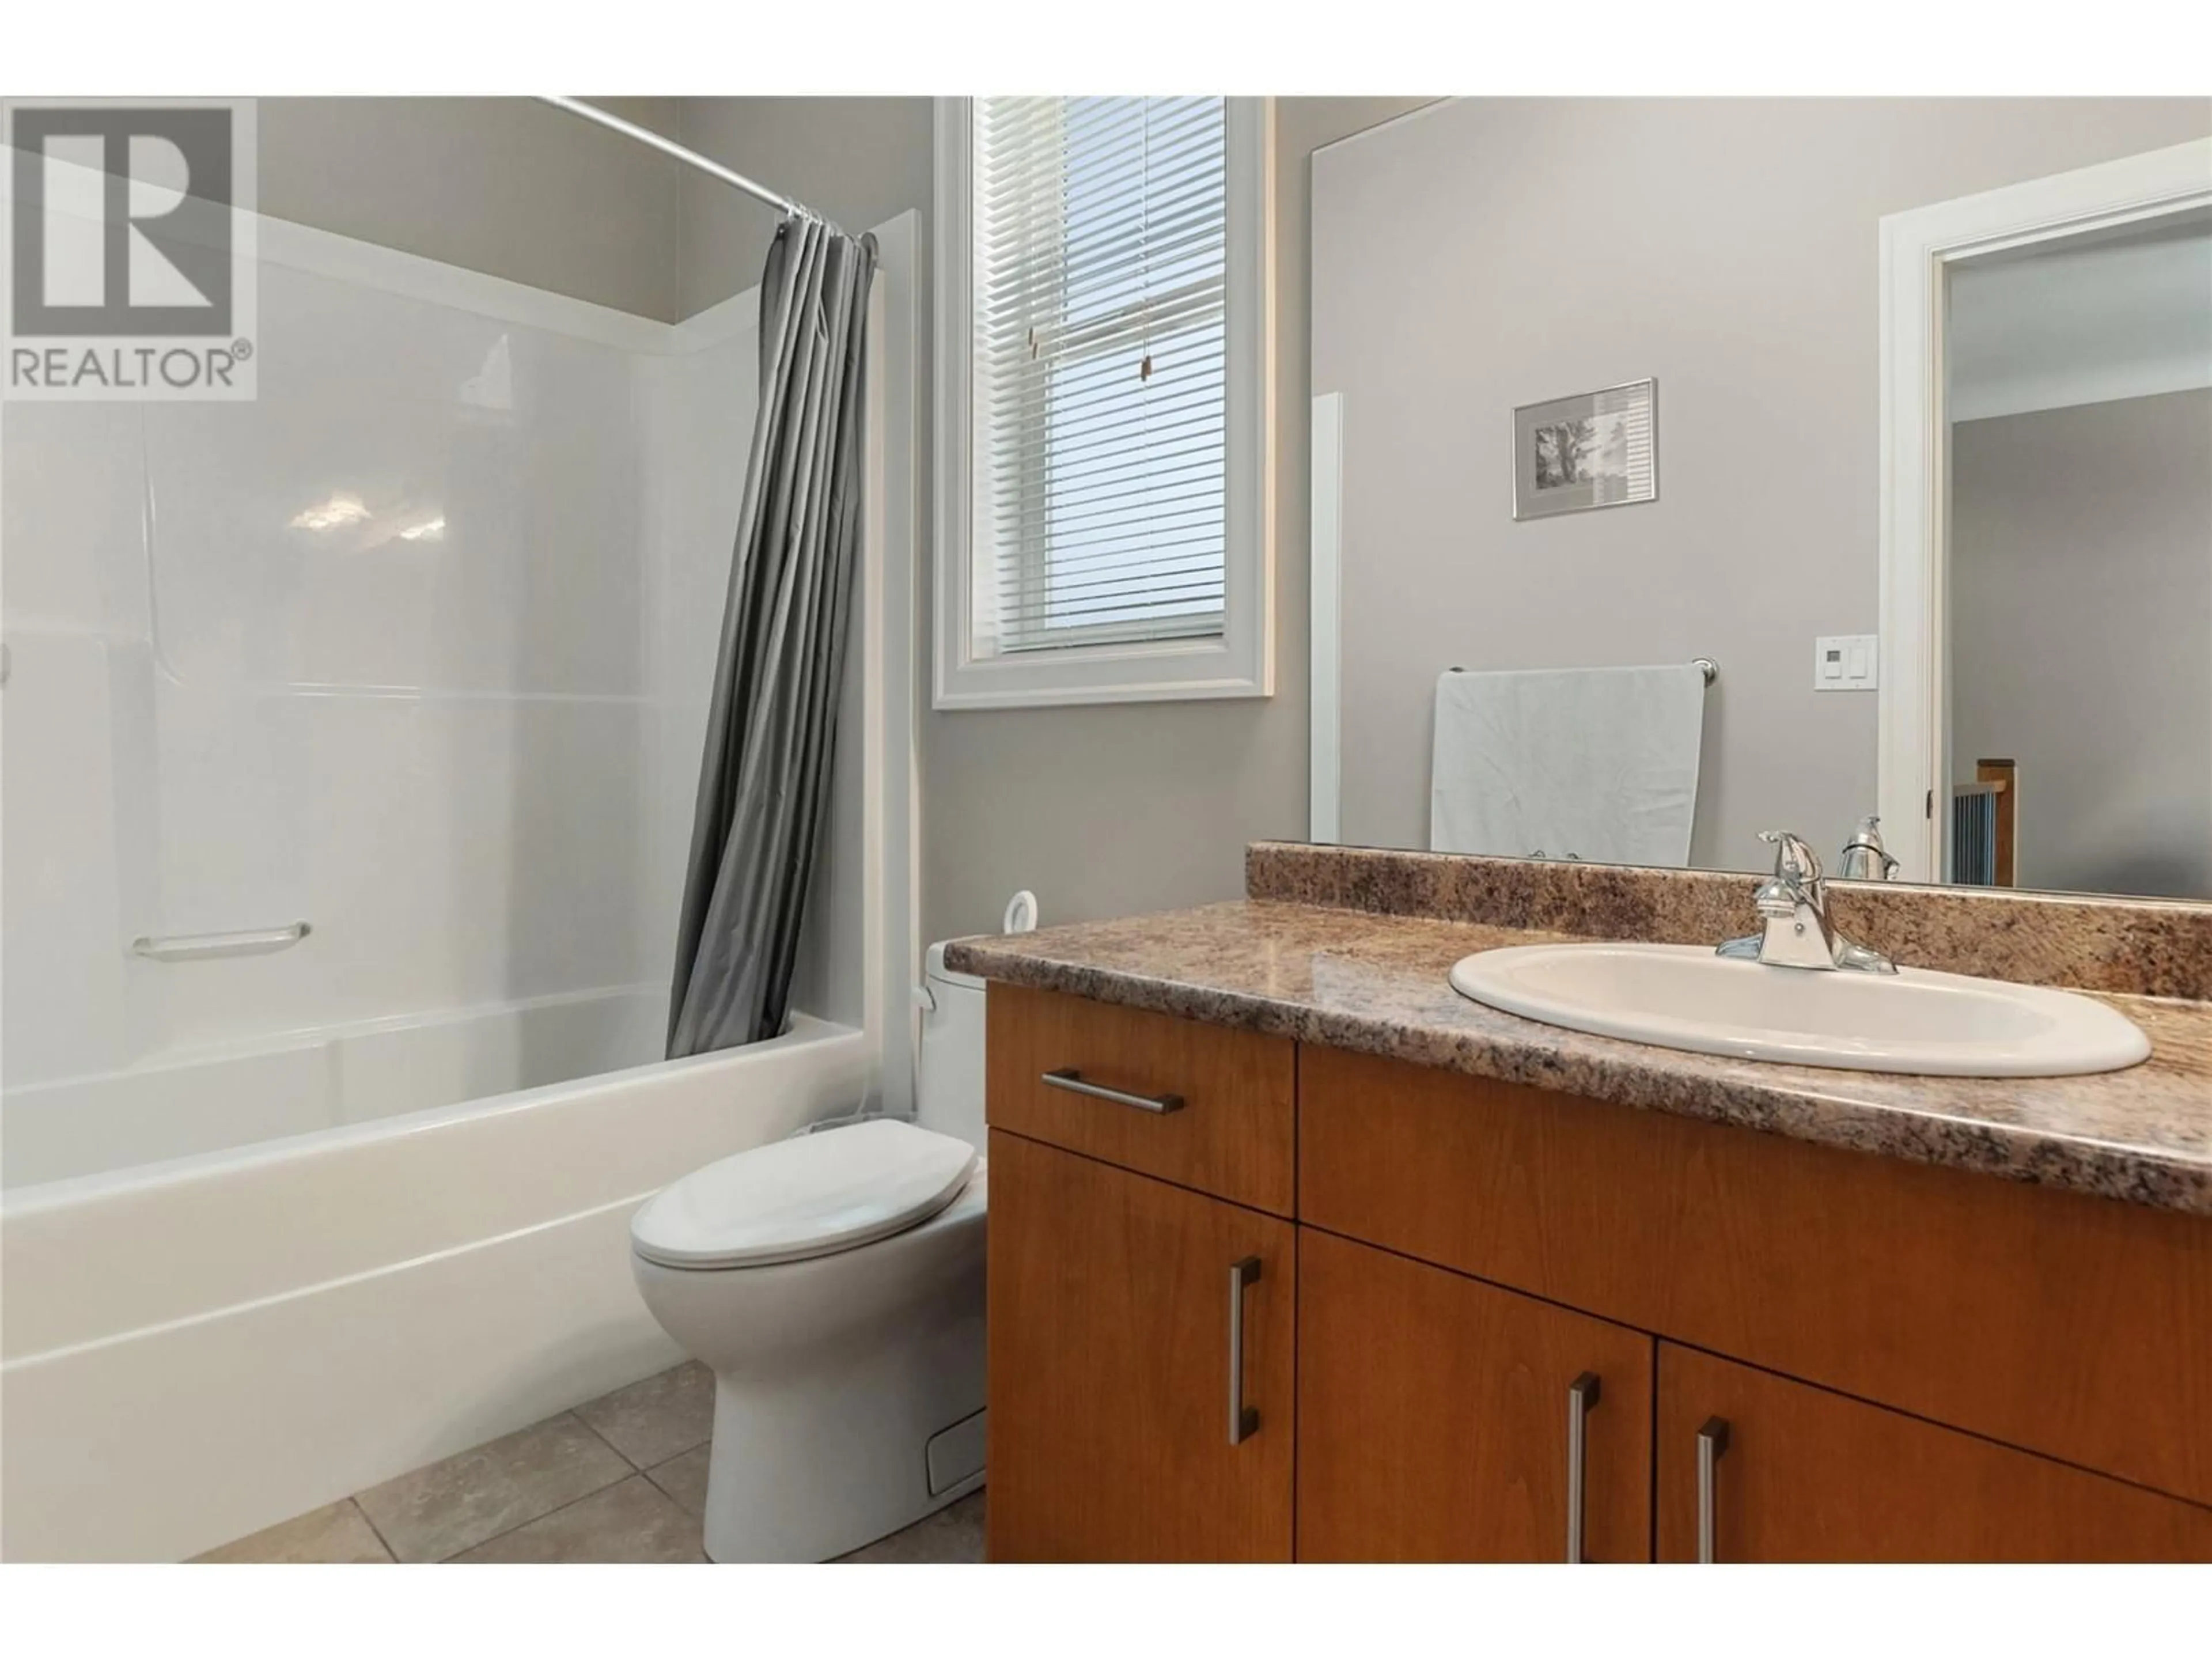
(1599, 449)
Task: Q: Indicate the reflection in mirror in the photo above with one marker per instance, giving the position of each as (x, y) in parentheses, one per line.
(1898, 410)
(2080, 621)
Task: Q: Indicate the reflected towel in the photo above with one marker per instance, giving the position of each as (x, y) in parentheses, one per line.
(1593, 763)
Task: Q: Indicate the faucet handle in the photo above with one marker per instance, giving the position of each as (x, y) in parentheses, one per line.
(1795, 861)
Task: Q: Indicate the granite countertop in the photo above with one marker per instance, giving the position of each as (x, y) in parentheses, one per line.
(1377, 983)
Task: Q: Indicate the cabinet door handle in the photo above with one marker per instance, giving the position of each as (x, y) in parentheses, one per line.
(1582, 1394)
(1075, 1083)
(1243, 1420)
(1713, 1441)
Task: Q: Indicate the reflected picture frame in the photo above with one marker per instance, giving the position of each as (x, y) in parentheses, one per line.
(1595, 449)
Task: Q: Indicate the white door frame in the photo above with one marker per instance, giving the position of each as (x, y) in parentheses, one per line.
(1918, 250)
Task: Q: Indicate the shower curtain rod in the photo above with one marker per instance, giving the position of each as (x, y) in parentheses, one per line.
(689, 157)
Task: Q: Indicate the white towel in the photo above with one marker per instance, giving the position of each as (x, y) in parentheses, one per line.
(1593, 764)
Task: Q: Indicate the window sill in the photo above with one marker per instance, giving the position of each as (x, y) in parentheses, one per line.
(1171, 671)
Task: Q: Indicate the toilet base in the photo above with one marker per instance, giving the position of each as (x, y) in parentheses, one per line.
(837, 1459)
(831, 1378)
(813, 1478)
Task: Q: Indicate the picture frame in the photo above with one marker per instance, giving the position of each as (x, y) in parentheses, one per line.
(1595, 449)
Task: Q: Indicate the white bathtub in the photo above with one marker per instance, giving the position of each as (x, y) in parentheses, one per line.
(213, 1099)
(238, 1284)
(212, 1344)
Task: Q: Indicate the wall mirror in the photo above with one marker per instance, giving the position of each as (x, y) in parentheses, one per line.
(1893, 414)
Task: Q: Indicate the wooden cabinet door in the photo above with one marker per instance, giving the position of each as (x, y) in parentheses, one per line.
(2070, 1325)
(1809, 1475)
(1113, 1320)
(1434, 1417)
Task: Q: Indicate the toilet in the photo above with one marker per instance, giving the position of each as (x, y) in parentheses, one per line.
(832, 1283)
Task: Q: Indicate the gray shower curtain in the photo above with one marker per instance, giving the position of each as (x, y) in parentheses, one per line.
(764, 777)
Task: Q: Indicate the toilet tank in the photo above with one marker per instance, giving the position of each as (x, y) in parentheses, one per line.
(951, 1100)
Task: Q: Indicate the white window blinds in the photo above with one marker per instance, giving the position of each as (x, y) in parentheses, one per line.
(1099, 399)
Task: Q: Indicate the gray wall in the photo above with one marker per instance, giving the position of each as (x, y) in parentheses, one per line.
(1499, 252)
(1101, 811)
(1727, 247)
(2082, 636)
(504, 185)
(1143, 806)
(519, 189)
(859, 160)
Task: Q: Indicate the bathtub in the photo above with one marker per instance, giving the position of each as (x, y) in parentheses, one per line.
(217, 1098)
(213, 1343)
(239, 1283)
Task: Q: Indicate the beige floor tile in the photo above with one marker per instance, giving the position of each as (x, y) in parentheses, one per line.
(954, 1535)
(684, 1480)
(336, 1532)
(631, 1521)
(650, 1421)
(446, 1508)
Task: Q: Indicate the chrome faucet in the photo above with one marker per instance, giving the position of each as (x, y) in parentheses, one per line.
(1793, 908)
(1865, 859)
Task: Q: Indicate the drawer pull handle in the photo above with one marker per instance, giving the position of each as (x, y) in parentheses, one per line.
(1075, 1083)
(1582, 1394)
(1713, 1441)
(1243, 1420)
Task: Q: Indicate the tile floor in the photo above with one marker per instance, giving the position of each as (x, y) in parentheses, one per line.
(623, 1477)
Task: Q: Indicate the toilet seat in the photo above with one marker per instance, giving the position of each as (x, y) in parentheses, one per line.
(811, 1195)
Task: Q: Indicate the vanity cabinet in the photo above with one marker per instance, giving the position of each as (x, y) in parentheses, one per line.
(1122, 1311)
(2077, 1326)
(1807, 1474)
(1203, 1106)
(1142, 1297)
(1443, 1419)
(1466, 1320)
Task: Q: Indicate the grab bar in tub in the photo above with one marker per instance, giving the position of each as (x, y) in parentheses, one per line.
(199, 947)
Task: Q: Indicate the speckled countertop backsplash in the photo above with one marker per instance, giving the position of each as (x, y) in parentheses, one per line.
(2133, 947)
(1352, 948)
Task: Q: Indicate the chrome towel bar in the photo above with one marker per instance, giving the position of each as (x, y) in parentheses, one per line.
(201, 947)
(1704, 666)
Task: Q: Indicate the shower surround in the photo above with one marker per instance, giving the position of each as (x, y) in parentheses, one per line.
(415, 649)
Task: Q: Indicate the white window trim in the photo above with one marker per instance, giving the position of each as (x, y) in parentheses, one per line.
(1241, 663)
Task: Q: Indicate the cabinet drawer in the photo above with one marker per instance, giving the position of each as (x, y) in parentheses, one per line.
(1199, 1105)
(1808, 1476)
(2070, 1325)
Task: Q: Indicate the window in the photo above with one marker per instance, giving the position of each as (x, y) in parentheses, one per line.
(1103, 490)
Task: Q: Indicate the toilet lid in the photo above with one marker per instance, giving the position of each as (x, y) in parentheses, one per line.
(808, 1196)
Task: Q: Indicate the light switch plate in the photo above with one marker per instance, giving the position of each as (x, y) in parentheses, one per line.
(1846, 662)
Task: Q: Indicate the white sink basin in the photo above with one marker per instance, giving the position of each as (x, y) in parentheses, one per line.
(1683, 996)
